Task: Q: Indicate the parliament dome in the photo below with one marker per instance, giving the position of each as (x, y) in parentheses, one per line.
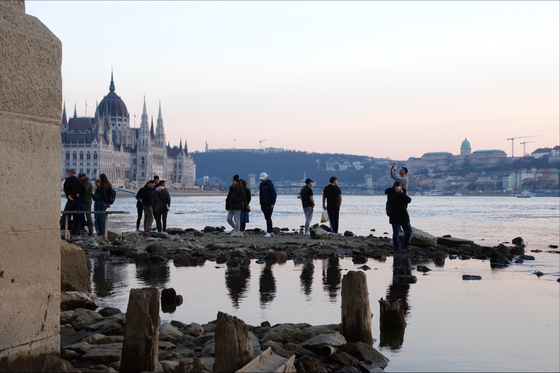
(112, 103)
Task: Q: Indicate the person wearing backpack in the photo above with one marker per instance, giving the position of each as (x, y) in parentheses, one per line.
(105, 198)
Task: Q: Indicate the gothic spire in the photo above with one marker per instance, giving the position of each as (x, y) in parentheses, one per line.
(180, 144)
(112, 86)
(152, 128)
(75, 112)
(64, 119)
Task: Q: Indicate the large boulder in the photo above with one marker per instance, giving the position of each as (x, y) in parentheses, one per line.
(82, 318)
(453, 241)
(72, 300)
(422, 239)
(74, 274)
(318, 233)
(316, 343)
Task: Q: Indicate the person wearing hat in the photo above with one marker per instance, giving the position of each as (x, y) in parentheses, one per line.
(308, 203)
(235, 202)
(267, 198)
(86, 197)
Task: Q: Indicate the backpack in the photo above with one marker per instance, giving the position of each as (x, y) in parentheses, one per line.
(111, 194)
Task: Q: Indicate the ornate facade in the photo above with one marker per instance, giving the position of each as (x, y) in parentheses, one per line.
(128, 156)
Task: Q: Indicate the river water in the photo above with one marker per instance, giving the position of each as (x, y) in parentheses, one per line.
(508, 321)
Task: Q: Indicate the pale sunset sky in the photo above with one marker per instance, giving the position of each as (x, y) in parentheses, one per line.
(384, 79)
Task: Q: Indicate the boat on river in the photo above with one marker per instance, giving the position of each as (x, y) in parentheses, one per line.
(524, 194)
(433, 193)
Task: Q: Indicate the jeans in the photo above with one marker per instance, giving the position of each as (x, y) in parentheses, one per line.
(308, 212)
(234, 214)
(148, 218)
(267, 211)
(159, 217)
(407, 228)
(100, 218)
(333, 217)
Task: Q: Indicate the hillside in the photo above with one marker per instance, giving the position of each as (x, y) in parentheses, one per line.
(287, 166)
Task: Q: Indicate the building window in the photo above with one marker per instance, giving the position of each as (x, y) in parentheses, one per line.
(67, 156)
(95, 155)
(88, 156)
(81, 156)
(74, 156)
(142, 162)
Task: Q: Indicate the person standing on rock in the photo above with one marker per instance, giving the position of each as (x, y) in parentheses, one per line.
(307, 202)
(397, 203)
(139, 207)
(332, 195)
(267, 197)
(162, 203)
(247, 209)
(401, 176)
(235, 202)
(148, 202)
(73, 189)
(87, 199)
(105, 197)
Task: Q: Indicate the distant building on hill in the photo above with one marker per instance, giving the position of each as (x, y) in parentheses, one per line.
(445, 161)
(128, 156)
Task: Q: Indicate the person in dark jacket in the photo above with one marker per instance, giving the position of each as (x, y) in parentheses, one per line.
(139, 207)
(162, 203)
(87, 199)
(74, 189)
(148, 202)
(103, 196)
(332, 196)
(247, 209)
(397, 202)
(267, 197)
(235, 202)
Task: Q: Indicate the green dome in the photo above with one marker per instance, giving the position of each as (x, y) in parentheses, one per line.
(465, 144)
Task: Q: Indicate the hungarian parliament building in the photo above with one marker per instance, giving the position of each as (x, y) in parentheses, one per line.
(128, 156)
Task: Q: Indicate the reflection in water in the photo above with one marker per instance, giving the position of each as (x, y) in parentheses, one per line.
(237, 278)
(152, 274)
(106, 275)
(267, 285)
(393, 336)
(306, 278)
(332, 275)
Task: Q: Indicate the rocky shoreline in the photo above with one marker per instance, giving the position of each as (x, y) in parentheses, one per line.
(92, 341)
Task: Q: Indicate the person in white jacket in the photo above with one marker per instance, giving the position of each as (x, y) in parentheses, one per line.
(401, 176)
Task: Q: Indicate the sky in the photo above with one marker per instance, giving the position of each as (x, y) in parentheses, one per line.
(390, 79)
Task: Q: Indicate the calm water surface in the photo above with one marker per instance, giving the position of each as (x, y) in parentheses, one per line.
(508, 321)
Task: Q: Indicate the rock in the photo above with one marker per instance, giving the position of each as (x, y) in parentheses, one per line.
(277, 348)
(472, 277)
(72, 300)
(527, 257)
(51, 363)
(453, 241)
(113, 234)
(175, 231)
(166, 346)
(499, 261)
(316, 343)
(422, 269)
(169, 366)
(553, 246)
(169, 296)
(359, 259)
(364, 268)
(81, 347)
(422, 239)
(309, 364)
(169, 333)
(344, 359)
(319, 234)
(285, 335)
(109, 311)
(74, 273)
(157, 249)
(209, 229)
(113, 325)
(131, 237)
(367, 354)
(209, 350)
(236, 234)
(348, 234)
(185, 260)
(539, 273)
(196, 330)
(518, 241)
(101, 339)
(82, 318)
(103, 354)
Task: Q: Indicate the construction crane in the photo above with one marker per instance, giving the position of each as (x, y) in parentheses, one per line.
(260, 143)
(523, 143)
(520, 137)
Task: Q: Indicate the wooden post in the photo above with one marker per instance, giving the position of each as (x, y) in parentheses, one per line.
(141, 333)
(233, 346)
(356, 314)
(106, 224)
(391, 313)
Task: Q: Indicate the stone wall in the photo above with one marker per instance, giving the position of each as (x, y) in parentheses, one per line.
(30, 111)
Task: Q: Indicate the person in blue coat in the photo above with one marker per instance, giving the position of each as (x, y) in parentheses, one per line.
(267, 198)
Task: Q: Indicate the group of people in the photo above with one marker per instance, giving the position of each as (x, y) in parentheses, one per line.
(153, 201)
(397, 206)
(80, 193)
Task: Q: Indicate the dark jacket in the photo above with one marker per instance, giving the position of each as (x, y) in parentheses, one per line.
(139, 204)
(147, 196)
(397, 204)
(267, 195)
(162, 199)
(236, 198)
(104, 194)
(73, 186)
